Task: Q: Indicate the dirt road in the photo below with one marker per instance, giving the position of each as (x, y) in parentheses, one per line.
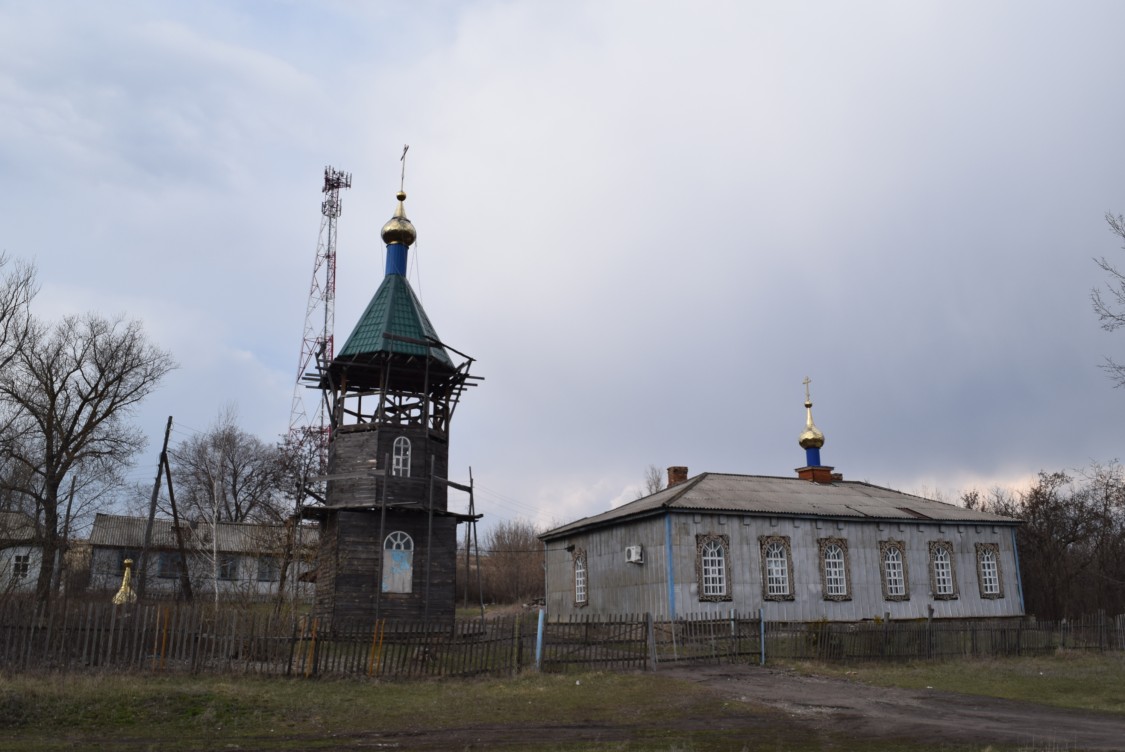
(862, 711)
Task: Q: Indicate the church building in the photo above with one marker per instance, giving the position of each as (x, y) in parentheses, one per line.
(805, 548)
(388, 541)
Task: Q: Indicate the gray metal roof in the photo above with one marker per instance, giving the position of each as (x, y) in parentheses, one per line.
(119, 531)
(785, 497)
(17, 527)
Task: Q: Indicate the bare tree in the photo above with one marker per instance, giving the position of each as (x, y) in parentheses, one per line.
(1109, 303)
(654, 481)
(17, 288)
(65, 397)
(229, 475)
(512, 567)
(1072, 543)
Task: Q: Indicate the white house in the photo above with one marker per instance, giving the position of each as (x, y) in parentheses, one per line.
(241, 559)
(20, 552)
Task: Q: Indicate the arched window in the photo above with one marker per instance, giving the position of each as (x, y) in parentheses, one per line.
(777, 569)
(941, 570)
(893, 573)
(580, 594)
(988, 570)
(835, 574)
(714, 566)
(400, 458)
(398, 563)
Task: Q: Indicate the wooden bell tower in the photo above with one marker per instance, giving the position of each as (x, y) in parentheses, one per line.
(388, 541)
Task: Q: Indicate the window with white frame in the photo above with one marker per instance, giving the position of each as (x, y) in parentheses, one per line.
(398, 563)
(834, 570)
(777, 566)
(21, 566)
(400, 457)
(581, 595)
(893, 570)
(988, 570)
(712, 567)
(943, 578)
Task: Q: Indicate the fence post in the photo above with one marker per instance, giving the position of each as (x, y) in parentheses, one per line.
(650, 635)
(539, 640)
(929, 631)
(762, 633)
(516, 647)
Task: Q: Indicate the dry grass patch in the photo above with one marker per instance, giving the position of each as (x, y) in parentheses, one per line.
(1067, 679)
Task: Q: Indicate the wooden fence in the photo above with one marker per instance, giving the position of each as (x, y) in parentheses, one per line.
(254, 640)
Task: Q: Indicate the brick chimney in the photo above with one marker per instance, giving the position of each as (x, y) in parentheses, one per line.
(677, 474)
(819, 474)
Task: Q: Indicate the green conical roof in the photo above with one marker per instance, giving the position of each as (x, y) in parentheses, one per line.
(394, 309)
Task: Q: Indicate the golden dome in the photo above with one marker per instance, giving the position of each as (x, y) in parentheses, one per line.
(811, 437)
(398, 228)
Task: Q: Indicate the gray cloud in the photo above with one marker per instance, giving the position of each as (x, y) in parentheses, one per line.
(647, 222)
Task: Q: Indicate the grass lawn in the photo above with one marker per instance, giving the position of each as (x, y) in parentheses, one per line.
(555, 712)
(1067, 679)
(571, 712)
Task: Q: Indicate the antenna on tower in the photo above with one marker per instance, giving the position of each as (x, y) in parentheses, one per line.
(320, 318)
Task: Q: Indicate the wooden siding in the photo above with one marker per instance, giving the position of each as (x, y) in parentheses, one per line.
(349, 571)
(359, 450)
(615, 586)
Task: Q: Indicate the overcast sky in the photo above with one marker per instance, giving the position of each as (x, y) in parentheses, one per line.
(647, 221)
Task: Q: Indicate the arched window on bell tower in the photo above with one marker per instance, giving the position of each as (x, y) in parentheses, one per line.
(401, 458)
(398, 563)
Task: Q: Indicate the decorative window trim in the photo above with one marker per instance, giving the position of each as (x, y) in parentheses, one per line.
(982, 550)
(823, 544)
(581, 578)
(764, 543)
(947, 547)
(400, 457)
(703, 540)
(886, 546)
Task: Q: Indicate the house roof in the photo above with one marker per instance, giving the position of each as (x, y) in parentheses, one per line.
(764, 495)
(120, 531)
(394, 310)
(16, 527)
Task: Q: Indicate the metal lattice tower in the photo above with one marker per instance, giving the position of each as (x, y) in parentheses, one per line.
(320, 314)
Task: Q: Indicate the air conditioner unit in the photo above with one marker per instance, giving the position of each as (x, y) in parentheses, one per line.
(635, 554)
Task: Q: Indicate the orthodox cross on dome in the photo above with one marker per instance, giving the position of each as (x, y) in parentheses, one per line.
(402, 177)
(811, 439)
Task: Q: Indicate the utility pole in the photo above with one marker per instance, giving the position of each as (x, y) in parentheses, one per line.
(142, 565)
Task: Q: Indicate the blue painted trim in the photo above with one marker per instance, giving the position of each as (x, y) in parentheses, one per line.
(670, 566)
(1019, 575)
(396, 259)
(812, 455)
(539, 640)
